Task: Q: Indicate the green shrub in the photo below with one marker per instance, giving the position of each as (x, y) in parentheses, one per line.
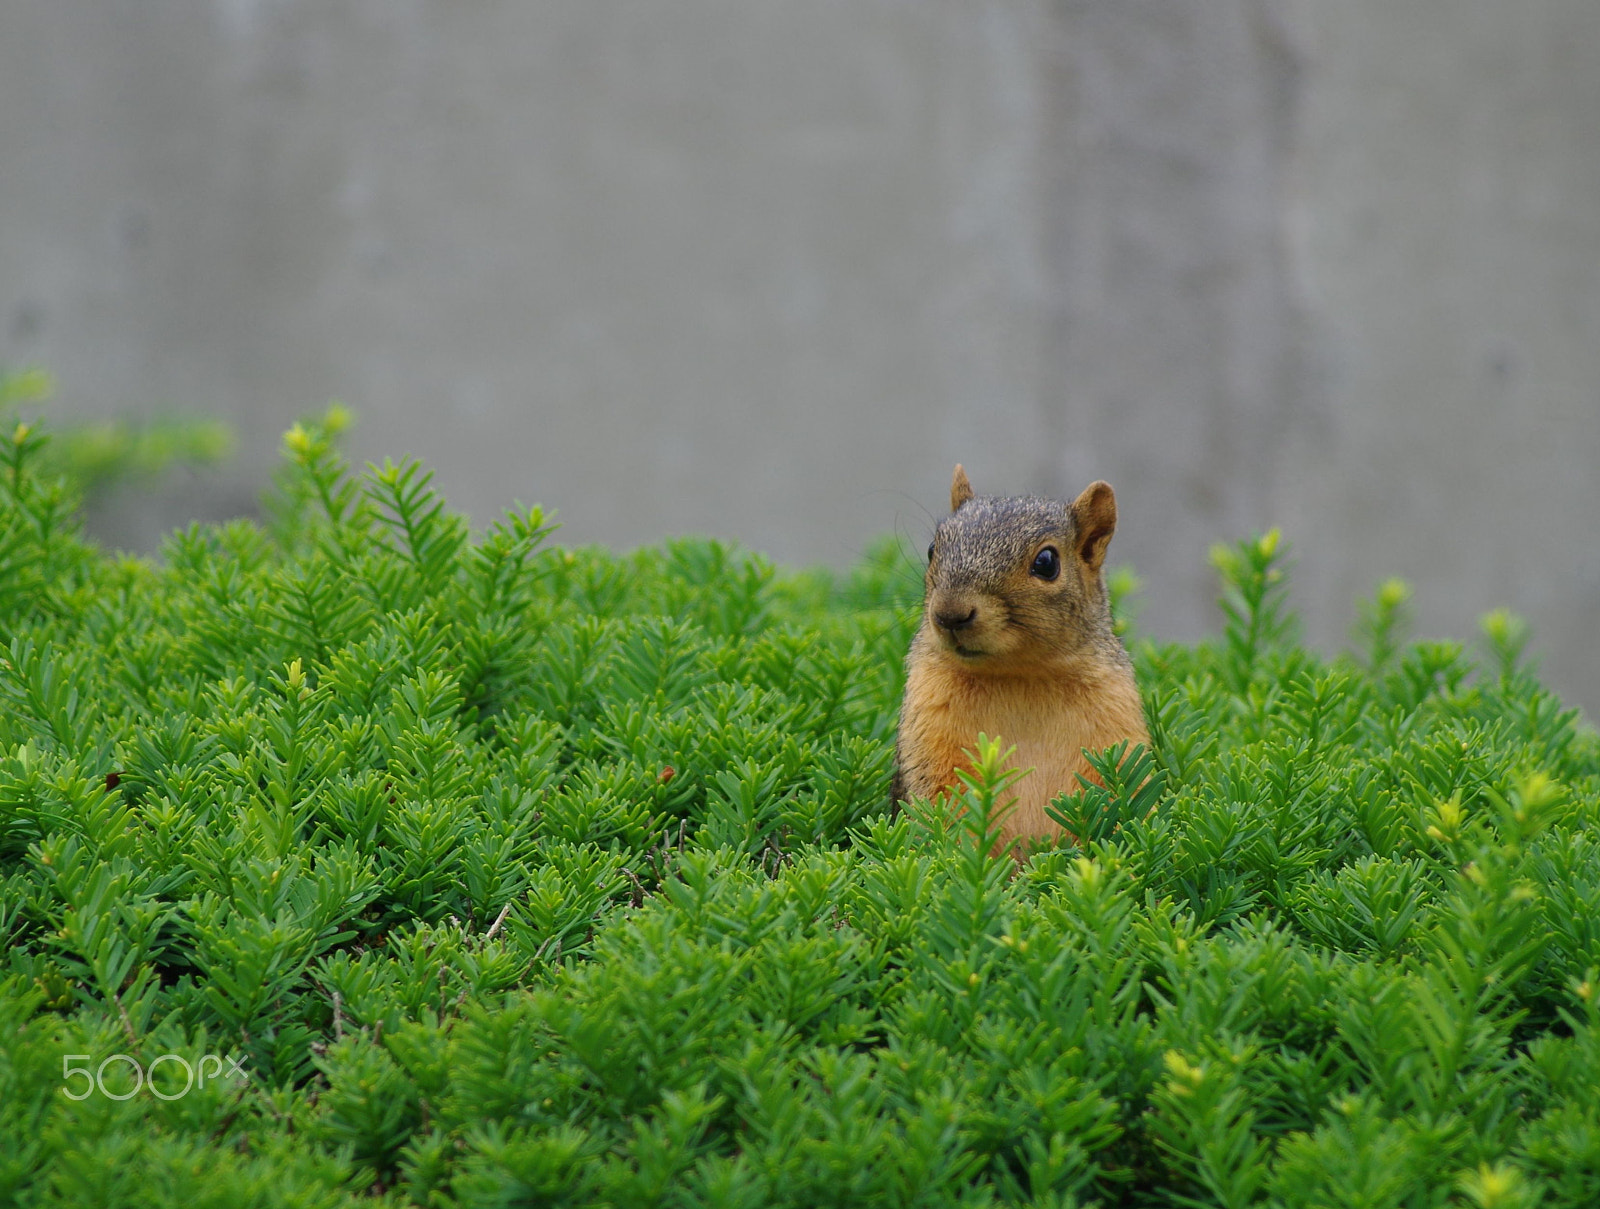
(96, 455)
(495, 873)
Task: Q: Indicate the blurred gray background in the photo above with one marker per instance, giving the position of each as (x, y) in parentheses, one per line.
(765, 269)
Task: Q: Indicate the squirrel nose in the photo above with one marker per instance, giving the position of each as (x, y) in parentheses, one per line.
(954, 620)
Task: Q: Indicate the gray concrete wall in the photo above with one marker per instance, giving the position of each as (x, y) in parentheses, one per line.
(766, 269)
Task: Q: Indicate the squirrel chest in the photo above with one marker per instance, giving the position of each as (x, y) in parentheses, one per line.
(1048, 722)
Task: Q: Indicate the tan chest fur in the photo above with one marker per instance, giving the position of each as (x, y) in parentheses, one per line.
(1050, 720)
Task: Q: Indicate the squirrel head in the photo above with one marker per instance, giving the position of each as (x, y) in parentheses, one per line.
(1013, 584)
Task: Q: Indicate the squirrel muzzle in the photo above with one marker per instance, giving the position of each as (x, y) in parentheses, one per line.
(965, 623)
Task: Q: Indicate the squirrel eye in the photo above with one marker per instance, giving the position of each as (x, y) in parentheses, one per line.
(1046, 563)
(930, 551)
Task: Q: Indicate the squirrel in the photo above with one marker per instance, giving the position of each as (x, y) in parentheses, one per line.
(1016, 641)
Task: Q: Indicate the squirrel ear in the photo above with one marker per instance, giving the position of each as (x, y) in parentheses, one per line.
(1096, 513)
(960, 489)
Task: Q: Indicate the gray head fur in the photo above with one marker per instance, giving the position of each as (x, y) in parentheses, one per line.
(989, 536)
